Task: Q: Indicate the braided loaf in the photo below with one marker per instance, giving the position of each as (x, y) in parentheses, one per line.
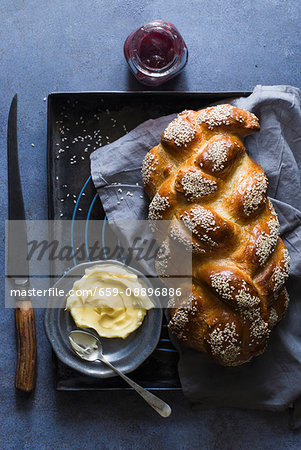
(201, 179)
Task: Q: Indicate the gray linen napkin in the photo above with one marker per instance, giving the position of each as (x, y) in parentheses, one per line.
(273, 380)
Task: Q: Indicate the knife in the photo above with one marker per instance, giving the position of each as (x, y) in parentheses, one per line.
(17, 263)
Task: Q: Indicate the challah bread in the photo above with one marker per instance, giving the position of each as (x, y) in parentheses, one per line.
(201, 179)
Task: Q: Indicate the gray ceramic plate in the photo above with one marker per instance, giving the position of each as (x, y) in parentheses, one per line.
(126, 354)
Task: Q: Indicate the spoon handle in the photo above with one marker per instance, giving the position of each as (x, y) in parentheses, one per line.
(155, 402)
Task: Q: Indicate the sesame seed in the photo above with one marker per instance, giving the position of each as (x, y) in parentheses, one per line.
(225, 343)
(180, 132)
(195, 185)
(273, 317)
(216, 116)
(281, 272)
(267, 242)
(217, 154)
(162, 259)
(158, 205)
(200, 217)
(255, 194)
(178, 234)
(148, 166)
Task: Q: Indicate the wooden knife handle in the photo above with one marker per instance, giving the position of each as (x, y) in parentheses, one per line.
(27, 346)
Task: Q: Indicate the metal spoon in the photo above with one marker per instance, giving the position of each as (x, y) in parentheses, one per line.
(88, 347)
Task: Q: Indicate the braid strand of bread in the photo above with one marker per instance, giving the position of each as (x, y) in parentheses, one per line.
(201, 179)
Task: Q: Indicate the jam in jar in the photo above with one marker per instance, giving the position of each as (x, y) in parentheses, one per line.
(155, 52)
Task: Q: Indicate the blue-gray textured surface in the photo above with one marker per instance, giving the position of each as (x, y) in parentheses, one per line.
(75, 45)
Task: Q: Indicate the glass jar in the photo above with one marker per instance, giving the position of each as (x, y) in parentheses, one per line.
(155, 52)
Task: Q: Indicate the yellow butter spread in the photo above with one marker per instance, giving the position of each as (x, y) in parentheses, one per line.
(110, 299)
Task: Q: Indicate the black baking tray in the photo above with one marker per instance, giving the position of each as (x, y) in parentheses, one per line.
(77, 124)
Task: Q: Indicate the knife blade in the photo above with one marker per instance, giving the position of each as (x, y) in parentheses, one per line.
(17, 263)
